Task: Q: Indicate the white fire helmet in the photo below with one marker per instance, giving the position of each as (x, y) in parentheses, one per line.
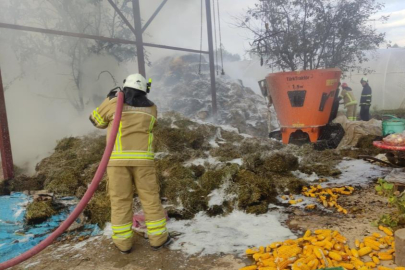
(136, 81)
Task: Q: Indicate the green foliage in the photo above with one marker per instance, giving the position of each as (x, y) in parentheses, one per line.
(384, 188)
(395, 199)
(388, 220)
(294, 35)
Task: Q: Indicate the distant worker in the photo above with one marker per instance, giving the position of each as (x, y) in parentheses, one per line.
(365, 101)
(132, 163)
(349, 101)
(335, 105)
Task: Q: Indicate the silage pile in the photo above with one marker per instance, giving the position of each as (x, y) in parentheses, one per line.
(179, 86)
(201, 168)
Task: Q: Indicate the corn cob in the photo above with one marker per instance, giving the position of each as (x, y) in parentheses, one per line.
(289, 251)
(275, 245)
(357, 243)
(364, 251)
(347, 250)
(338, 247)
(399, 268)
(307, 234)
(386, 230)
(319, 253)
(285, 263)
(340, 238)
(370, 264)
(377, 235)
(355, 253)
(269, 262)
(309, 258)
(385, 256)
(302, 266)
(362, 245)
(375, 260)
(371, 245)
(251, 251)
(335, 256)
(357, 263)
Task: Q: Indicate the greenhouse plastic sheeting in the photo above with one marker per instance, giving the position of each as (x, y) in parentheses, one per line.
(16, 237)
(387, 80)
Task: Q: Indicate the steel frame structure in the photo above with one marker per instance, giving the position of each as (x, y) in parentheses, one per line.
(138, 30)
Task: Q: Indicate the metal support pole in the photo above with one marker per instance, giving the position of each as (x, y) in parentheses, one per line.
(139, 39)
(211, 57)
(5, 145)
(105, 39)
(154, 15)
(125, 20)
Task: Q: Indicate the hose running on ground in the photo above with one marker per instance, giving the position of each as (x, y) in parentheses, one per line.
(86, 198)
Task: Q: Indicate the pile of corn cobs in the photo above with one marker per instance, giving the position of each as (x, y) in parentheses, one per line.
(323, 249)
(327, 196)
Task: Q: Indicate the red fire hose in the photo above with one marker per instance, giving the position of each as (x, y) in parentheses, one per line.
(86, 198)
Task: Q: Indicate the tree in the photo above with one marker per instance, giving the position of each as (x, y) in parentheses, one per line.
(228, 56)
(311, 34)
(395, 46)
(94, 17)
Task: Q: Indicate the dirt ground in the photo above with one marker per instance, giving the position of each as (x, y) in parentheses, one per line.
(99, 253)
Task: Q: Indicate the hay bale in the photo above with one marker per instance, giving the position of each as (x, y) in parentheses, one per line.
(39, 211)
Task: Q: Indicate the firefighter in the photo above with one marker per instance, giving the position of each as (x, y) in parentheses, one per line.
(132, 163)
(349, 101)
(365, 100)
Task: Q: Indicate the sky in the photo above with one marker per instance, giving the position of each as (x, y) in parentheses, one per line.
(183, 28)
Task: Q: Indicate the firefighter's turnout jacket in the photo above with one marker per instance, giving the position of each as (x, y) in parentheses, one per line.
(348, 97)
(350, 103)
(132, 163)
(366, 96)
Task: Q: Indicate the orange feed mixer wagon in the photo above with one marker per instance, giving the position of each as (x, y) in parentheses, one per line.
(303, 100)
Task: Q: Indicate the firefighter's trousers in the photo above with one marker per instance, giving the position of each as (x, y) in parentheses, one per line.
(120, 187)
(351, 112)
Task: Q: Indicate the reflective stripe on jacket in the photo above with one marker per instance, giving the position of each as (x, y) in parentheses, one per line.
(348, 97)
(134, 143)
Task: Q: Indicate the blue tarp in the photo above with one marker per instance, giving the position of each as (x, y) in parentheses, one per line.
(16, 237)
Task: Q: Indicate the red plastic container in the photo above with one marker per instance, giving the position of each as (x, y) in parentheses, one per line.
(303, 99)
